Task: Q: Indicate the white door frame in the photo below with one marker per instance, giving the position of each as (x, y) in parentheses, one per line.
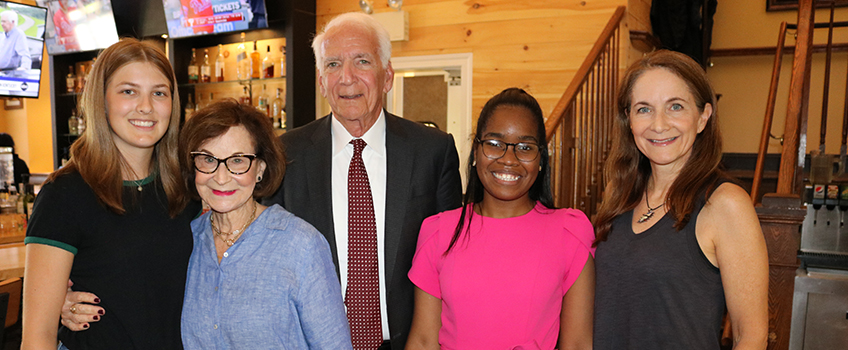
(459, 96)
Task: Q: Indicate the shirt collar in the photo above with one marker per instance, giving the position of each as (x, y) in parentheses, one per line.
(375, 137)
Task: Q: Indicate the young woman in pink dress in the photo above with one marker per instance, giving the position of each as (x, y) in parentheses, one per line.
(507, 270)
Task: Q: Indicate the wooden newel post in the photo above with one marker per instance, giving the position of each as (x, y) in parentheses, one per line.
(781, 216)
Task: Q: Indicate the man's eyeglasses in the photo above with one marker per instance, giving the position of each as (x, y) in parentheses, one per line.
(236, 164)
(496, 149)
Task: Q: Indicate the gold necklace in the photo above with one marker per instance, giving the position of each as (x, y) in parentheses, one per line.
(650, 212)
(235, 234)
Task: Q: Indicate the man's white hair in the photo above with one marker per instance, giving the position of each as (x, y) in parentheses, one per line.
(9, 15)
(361, 20)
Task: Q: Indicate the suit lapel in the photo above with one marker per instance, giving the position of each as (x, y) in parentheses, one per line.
(319, 184)
(399, 154)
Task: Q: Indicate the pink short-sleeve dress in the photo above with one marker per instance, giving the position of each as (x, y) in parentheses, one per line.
(502, 284)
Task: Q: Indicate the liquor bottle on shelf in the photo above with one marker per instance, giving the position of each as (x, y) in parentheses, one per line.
(245, 97)
(80, 79)
(219, 64)
(20, 204)
(262, 101)
(254, 63)
(25, 197)
(278, 109)
(12, 200)
(193, 70)
(73, 123)
(70, 80)
(189, 107)
(268, 65)
(29, 199)
(31, 190)
(282, 67)
(205, 69)
(242, 61)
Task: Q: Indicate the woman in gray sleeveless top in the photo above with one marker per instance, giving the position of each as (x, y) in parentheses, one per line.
(677, 244)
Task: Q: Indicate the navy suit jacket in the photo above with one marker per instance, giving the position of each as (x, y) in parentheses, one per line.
(422, 179)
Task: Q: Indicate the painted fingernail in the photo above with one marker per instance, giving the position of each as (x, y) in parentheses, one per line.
(97, 300)
(96, 318)
(85, 326)
(101, 312)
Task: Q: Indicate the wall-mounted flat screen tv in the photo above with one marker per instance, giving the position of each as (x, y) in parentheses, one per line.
(199, 17)
(79, 25)
(21, 47)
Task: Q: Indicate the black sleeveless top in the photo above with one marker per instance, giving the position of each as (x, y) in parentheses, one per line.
(656, 289)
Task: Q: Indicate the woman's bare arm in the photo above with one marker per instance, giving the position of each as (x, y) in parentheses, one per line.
(45, 284)
(739, 251)
(578, 304)
(426, 322)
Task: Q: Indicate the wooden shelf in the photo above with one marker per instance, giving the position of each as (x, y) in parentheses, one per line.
(240, 82)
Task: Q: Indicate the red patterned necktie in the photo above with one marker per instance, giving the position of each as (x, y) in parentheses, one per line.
(362, 296)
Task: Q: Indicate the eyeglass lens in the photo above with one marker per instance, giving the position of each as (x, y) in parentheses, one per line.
(525, 152)
(237, 164)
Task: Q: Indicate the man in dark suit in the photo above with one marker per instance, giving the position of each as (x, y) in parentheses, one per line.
(412, 169)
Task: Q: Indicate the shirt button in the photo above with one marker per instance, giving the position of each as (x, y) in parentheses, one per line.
(215, 326)
(226, 254)
(216, 288)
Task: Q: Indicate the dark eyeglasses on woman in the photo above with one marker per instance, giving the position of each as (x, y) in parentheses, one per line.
(236, 164)
(496, 149)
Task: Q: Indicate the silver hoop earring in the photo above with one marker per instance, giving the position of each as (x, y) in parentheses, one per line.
(474, 163)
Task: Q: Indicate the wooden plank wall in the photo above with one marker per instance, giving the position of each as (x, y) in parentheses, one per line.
(536, 45)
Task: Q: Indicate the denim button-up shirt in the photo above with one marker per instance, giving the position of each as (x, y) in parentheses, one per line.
(275, 288)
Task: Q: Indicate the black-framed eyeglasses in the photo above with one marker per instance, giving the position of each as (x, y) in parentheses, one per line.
(236, 164)
(496, 149)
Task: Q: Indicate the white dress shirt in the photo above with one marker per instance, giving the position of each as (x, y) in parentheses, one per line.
(374, 157)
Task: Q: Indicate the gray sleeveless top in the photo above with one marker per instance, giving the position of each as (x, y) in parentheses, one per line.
(656, 289)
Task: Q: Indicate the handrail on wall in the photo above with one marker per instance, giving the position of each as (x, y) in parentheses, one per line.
(767, 121)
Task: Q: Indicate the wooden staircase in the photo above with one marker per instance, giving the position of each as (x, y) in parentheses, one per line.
(578, 129)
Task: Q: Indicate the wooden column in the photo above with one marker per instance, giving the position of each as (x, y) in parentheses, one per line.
(781, 216)
(791, 164)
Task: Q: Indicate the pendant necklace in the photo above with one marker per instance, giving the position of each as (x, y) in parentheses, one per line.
(235, 234)
(650, 212)
(137, 183)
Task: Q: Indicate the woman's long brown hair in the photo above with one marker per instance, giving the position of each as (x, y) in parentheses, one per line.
(627, 170)
(95, 156)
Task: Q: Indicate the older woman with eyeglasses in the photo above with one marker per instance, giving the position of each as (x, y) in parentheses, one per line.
(258, 276)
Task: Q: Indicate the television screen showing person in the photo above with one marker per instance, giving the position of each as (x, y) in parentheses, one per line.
(14, 52)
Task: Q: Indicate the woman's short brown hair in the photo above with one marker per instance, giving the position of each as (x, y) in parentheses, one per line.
(214, 120)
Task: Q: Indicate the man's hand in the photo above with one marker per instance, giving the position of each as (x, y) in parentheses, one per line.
(78, 311)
